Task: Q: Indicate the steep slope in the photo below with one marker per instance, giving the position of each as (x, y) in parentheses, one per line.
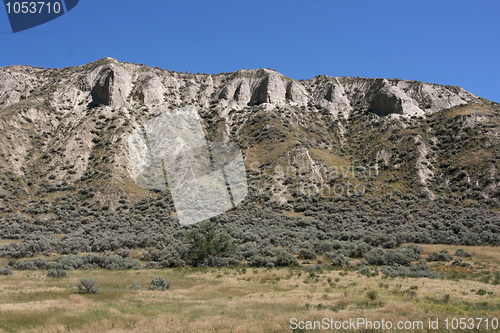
(64, 131)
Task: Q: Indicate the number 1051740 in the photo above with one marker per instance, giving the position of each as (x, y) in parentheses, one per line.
(39, 7)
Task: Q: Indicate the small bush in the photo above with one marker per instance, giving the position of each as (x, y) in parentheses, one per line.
(403, 256)
(314, 268)
(442, 255)
(339, 259)
(286, 259)
(26, 265)
(463, 253)
(365, 270)
(259, 261)
(32, 265)
(5, 271)
(173, 262)
(411, 292)
(124, 253)
(57, 273)
(134, 286)
(307, 254)
(481, 292)
(222, 262)
(159, 283)
(89, 286)
(418, 270)
(459, 262)
(372, 295)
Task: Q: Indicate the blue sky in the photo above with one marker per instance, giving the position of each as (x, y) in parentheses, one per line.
(440, 41)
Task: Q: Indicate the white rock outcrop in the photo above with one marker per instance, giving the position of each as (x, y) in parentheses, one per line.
(111, 85)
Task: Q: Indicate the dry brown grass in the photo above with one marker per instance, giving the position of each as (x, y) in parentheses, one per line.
(4, 242)
(331, 158)
(487, 255)
(235, 300)
(473, 108)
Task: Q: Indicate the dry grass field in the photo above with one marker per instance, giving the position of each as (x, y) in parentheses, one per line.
(249, 299)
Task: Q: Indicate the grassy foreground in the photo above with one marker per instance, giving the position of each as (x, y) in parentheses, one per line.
(249, 299)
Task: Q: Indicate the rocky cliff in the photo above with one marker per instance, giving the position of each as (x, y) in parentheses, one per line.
(65, 131)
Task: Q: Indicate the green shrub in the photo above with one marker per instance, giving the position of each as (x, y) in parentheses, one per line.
(89, 286)
(463, 253)
(365, 270)
(372, 295)
(338, 259)
(418, 270)
(442, 255)
(313, 268)
(57, 273)
(286, 259)
(403, 256)
(27, 265)
(134, 286)
(5, 271)
(307, 254)
(481, 292)
(124, 253)
(459, 262)
(207, 243)
(159, 283)
(259, 261)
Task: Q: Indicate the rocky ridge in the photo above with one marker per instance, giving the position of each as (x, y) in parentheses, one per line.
(65, 130)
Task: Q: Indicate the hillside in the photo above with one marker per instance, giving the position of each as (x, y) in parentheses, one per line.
(333, 164)
(64, 130)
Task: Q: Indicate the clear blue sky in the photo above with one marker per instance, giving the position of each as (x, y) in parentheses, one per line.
(441, 41)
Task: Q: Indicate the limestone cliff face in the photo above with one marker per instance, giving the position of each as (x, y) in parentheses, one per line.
(110, 85)
(61, 128)
(115, 84)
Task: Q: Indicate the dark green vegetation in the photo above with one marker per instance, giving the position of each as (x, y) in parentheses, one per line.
(260, 235)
